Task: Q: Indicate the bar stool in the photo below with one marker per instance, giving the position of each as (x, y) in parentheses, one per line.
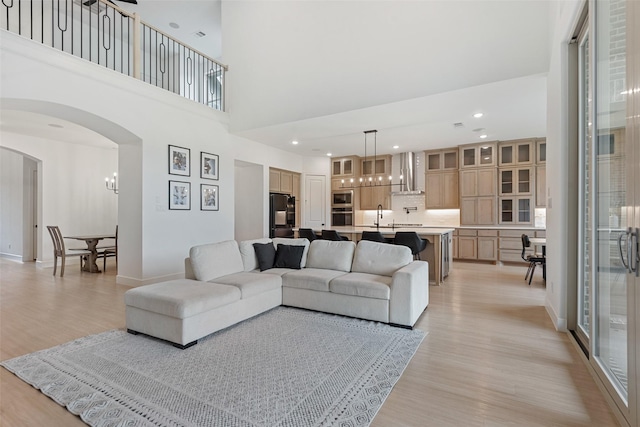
(308, 234)
(332, 235)
(412, 241)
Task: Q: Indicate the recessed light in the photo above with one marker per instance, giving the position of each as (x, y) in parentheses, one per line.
(55, 125)
(294, 142)
(483, 136)
(478, 115)
(174, 25)
(395, 147)
(329, 154)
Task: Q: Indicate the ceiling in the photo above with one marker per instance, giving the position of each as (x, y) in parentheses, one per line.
(432, 108)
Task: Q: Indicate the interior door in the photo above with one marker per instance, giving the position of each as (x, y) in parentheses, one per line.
(315, 201)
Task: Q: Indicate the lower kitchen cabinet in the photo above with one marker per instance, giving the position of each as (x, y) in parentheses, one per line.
(488, 245)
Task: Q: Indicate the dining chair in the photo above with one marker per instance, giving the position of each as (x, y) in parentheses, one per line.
(108, 252)
(59, 250)
(332, 235)
(308, 234)
(412, 241)
(533, 260)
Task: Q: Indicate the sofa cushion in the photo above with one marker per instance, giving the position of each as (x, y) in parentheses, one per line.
(362, 285)
(296, 242)
(289, 256)
(249, 254)
(181, 298)
(316, 279)
(215, 260)
(331, 255)
(380, 258)
(265, 254)
(251, 284)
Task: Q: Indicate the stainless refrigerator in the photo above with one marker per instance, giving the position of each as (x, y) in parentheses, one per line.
(282, 215)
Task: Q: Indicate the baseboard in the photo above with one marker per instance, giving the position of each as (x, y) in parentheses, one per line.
(133, 282)
(12, 257)
(560, 323)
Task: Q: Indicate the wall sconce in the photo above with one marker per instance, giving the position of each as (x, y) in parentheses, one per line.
(112, 184)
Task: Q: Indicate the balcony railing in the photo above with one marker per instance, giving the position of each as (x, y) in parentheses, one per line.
(107, 35)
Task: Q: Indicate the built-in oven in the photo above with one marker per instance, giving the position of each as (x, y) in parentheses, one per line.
(341, 217)
(342, 199)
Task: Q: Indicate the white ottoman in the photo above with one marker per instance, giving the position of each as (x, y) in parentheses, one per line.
(180, 311)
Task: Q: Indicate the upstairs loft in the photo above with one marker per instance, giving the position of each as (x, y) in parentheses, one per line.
(102, 33)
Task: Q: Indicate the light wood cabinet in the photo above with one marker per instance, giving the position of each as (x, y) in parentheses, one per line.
(467, 247)
(515, 181)
(541, 151)
(478, 182)
(282, 181)
(441, 190)
(488, 245)
(541, 186)
(378, 166)
(477, 155)
(440, 160)
(478, 211)
(344, 166)
(516, 210)
(519, 152)
(371, 197)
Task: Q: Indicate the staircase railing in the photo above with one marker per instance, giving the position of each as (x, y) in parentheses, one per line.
(105, 34)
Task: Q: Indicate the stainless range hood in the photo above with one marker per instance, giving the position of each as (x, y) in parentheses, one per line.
(408, 172)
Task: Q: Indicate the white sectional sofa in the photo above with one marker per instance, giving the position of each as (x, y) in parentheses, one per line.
(224, 285)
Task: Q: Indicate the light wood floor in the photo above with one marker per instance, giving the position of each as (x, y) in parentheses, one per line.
(491, 358)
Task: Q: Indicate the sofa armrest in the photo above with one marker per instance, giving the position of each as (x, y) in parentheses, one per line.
(409, 293)
(188, 269)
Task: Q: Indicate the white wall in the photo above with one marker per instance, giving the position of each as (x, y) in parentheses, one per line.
(249, 201)
(143, 121)
(72, 188)
(557, 171)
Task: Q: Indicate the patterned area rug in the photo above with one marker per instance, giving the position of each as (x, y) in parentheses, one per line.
(286, 367)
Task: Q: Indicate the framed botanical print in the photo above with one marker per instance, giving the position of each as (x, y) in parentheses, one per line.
(179, 161)
(179, 195)
(209, 165)
(209, 197)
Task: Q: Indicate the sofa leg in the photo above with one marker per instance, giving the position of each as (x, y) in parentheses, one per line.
(395, 325)
(132, 332)
(183, 347)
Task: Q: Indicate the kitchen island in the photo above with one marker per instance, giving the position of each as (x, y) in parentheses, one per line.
(437, 253)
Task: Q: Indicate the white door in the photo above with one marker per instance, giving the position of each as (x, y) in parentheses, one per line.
(315, 200)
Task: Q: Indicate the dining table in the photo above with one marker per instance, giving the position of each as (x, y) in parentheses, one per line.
(91, 241)
(542, 243)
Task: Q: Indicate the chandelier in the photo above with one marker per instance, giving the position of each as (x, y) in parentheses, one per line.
(369, 179)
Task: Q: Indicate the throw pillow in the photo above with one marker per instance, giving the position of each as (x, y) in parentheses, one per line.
(266, 255)
(289, 256)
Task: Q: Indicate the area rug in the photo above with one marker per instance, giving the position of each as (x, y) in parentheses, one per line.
(285, 367)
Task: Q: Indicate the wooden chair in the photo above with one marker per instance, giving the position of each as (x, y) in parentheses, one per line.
(412, 241)
(60, 251)
(108, 252)
(533, 260)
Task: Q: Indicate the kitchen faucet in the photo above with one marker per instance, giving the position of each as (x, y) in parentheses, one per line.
(378, 216)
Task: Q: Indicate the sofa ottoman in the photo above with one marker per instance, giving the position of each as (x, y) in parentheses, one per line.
(180, 311)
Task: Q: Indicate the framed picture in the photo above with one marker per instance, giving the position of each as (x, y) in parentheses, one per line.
(209, 197)
(179, 195)
(179, 161)
(209, 165)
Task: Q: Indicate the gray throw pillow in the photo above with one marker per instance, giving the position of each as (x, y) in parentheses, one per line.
(289, 256)
(266, 255)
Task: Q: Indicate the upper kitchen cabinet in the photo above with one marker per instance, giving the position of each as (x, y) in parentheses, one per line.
(282, 181)
(344, 166)
(379, 165)
(541, 151)
(441, 179)
(439, 160)
(518, 152)
(477, 155)
(478, 183)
